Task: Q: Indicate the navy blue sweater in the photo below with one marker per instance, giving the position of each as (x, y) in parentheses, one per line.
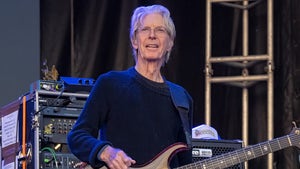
(133, 113)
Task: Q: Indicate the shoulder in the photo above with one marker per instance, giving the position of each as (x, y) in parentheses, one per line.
(111, 81)
(179, 94)
(176, 87)
(114, 75)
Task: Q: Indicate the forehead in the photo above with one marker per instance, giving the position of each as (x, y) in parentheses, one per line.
(152, 19)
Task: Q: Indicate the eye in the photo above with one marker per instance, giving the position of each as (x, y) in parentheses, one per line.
(160, 30)
(145, 30)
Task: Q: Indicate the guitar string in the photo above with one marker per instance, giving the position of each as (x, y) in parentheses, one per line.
(256, 150)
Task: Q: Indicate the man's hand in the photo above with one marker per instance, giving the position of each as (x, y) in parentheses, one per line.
(116, 158)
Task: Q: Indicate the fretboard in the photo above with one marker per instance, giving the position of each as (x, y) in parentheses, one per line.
(241, 155)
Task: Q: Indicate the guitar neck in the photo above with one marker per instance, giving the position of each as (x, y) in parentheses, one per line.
(241, 155)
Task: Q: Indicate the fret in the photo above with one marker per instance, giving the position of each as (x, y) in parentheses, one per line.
(261, 150)
(204, 164)
(266, 147)
(237, 156)
(220, 162)
(273, 145)
(244, 157)
(227, 161)
(214, 162)
(250, 153)
(255, 151)
(200, 165)
(270, 148)
(232, 158)
(289, 140)
(278, 143)
(258, 150)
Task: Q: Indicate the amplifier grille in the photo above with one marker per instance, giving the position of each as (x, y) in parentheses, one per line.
(203, 149)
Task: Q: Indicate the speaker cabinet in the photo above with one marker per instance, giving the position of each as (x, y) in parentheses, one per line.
(203, 149)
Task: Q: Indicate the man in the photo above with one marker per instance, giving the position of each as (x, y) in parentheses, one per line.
(133, 109)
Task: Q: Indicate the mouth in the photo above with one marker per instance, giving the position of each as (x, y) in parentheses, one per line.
(152, 46)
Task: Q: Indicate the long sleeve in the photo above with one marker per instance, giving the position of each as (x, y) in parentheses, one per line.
(82, 139)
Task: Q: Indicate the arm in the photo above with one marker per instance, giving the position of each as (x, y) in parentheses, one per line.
(82, 139)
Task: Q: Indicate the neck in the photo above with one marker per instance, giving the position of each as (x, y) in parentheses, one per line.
(150, 71)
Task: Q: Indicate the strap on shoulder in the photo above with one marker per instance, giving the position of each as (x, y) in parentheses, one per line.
(182, 104)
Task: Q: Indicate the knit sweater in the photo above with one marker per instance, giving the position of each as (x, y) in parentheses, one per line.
(132, 113)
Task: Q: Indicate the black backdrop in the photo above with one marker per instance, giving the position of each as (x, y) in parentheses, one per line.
(84, 38)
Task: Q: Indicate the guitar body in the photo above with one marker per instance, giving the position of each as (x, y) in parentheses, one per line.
(161, 161)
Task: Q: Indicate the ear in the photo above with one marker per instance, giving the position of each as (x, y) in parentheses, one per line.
(170, 45)
(134, 43)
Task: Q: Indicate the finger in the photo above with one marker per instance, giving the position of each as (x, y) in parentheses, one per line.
(117, 161)
(115, 164)
(116, 158)
(129, 161)
(124, 160)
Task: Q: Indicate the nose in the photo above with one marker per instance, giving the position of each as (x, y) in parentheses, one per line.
(152, 33)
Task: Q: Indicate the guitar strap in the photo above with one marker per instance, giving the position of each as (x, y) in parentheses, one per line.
(183, 103)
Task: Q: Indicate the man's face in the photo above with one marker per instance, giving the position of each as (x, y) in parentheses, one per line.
(152, 39)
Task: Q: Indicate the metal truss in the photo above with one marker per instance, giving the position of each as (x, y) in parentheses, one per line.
(246, 61)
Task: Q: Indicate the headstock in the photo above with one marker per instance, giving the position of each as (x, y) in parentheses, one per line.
(295, 136)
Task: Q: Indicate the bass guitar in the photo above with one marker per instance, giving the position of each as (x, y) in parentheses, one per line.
(224, 160)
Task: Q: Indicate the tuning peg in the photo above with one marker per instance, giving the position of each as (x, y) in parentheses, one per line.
(294, 124)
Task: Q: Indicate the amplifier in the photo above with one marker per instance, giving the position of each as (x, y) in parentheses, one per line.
(51, 160)
(204, 149)
(73, 84)
(48, 85)
(55, 129)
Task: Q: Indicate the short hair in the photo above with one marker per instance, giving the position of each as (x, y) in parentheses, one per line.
(139, 14)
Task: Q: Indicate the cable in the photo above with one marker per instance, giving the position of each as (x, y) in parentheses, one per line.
(52, 153)
(52, 103)
(24, 132)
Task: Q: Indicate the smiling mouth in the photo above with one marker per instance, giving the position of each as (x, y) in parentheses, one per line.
(151, 46)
